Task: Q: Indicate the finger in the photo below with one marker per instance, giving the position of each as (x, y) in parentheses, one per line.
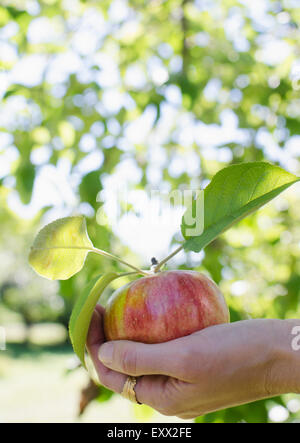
(100, 309)
(137, 359)
(108, 378)
(96, 332)
(149, 389)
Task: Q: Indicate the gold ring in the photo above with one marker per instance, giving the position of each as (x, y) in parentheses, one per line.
(128, 390)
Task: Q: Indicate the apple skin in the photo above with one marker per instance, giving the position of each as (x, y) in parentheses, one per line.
(163, 307)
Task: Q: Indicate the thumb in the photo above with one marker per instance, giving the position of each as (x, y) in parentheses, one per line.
(132, 358)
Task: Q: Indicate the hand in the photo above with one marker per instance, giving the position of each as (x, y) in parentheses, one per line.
(218, 367)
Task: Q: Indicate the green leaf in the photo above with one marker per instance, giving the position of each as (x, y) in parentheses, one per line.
(25, 176)
(89, 188)
(83, 311)
(104, 394)
(234, 193)
(60, 249)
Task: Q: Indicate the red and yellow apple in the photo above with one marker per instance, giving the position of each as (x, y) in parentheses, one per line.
(163, 307)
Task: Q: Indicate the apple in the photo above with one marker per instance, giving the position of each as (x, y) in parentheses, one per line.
(164, 306)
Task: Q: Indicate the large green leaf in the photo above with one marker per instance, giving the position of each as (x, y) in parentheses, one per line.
(60, 249)
(83, 311)
(233, 194)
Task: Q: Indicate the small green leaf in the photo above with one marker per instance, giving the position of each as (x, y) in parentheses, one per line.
(234, 193)
(89, 187)
(83, 311)
(60, 249)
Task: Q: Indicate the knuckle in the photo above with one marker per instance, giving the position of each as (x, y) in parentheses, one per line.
(129, 361)
(268, 380)
(102, 377)
(186, 368)
(169, 405)
(103, 382)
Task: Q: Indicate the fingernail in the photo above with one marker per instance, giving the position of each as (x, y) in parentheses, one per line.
(105, 353)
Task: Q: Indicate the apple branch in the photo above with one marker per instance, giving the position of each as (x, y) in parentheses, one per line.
(113, 257)
(165, 260)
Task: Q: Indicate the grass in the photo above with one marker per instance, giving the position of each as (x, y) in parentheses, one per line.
(35, 387)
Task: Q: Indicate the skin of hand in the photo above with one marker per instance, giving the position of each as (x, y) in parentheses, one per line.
(219, 367)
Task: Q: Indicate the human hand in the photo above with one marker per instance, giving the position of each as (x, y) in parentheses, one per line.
(218, 367)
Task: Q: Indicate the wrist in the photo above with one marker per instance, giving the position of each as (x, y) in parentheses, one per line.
(283, 373)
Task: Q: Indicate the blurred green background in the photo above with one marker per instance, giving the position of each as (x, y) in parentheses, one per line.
(102, 96)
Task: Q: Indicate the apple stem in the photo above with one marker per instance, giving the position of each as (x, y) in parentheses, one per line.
(165, 260)
(154, 263)
(113, 257)
(125, 274)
